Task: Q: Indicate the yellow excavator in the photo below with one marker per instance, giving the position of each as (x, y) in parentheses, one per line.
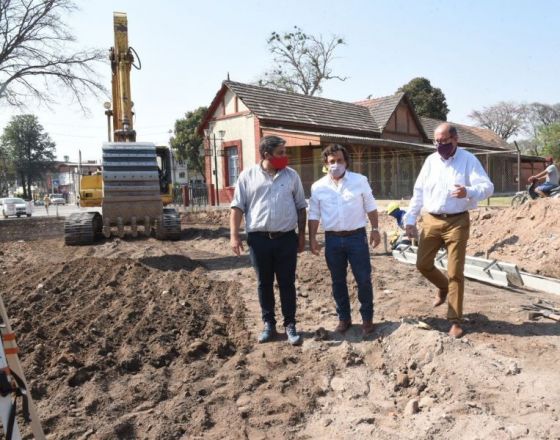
(135, 182)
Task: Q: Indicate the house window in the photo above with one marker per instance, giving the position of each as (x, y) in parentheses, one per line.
(181, 175)
(232, 158)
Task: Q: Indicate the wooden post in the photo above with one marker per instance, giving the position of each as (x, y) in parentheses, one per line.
(10, 348)
(518, 166)
(488, 172)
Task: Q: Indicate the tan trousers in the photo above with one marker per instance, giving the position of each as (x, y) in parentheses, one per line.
(453, 233)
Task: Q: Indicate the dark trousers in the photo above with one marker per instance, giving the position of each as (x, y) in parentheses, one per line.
(353, 249)
(275, 257)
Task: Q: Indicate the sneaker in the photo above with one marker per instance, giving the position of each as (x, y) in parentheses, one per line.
(293, 337)
(268, 333)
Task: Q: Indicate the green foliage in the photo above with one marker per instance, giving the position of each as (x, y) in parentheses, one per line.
(186, 142)
(28, 149)
(549, 136)
(427, 100)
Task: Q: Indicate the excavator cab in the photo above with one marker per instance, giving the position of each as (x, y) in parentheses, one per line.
(165, 174)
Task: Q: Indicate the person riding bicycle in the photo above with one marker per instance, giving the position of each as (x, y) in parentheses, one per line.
(550, 173)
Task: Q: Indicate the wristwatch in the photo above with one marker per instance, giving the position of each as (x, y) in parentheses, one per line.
(374, 229)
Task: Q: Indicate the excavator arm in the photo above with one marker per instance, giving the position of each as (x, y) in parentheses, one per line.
(121, 63)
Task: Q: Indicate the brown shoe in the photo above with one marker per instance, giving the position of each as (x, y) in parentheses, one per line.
(367, 327)
(343, 326)
(456, 331)
(441, 296)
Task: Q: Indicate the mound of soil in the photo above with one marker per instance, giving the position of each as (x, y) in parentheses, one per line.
(528, 236)
(108, 343)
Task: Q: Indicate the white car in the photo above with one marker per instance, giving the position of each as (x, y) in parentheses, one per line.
(58, 200)
(15, 206)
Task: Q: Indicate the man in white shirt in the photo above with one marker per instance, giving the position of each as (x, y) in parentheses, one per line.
(343, 201)
(271, 196)
(550, 174)
(451, 182)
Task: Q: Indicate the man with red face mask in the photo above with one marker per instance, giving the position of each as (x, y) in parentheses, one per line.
(271, 196)
(451, 182)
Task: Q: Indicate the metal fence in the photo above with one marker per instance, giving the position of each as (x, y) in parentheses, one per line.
(197, 193)
(392, 174)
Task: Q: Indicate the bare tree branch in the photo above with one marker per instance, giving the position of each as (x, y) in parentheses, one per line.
(506, 119)
(36, 52)
(302, 62)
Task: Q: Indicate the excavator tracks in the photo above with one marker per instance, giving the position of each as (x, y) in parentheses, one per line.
(170, 227)
(82, 228)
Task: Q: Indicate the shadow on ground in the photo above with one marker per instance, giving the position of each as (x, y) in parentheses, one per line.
(479, 323)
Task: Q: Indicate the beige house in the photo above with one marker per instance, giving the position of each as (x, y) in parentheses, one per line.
(387, 140)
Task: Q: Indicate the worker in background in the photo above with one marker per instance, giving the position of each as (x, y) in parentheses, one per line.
(550, 174)
(451, 182)
(343, 201)
(271, 197)
(394, 210)
(398, 236)
(47, 201)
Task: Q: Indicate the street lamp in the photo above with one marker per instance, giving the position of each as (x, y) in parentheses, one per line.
(109, 113)
(214, 152)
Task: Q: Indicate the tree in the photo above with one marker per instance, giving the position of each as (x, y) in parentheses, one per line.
(186, 142)
(427, 100)
(539, 115)
(29, 149)
(549, 136)
(302, 61)
(506, 119)
(7, 175)
(36, 52)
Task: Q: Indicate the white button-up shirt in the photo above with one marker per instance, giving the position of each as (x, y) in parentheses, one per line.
(343, 206)
(270, 203)
(437, 180)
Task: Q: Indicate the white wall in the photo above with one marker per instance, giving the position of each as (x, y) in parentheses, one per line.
(239, 127)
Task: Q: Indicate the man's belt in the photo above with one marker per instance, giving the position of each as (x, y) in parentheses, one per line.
(443, 215)
(345, 233)
(271, 234)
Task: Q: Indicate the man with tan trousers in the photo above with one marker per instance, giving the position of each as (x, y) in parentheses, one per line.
(451, 182)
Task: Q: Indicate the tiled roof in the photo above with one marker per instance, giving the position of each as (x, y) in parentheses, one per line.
(468, 136)
(382, 108)
(367, 117)
(296, 109)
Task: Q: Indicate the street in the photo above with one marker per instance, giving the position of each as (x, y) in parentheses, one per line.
(56, 211)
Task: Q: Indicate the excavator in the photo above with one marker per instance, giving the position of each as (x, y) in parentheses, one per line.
(135, 182)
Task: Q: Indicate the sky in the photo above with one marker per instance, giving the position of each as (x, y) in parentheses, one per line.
(479, 52)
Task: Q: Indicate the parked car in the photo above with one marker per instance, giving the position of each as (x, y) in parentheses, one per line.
(15, 206)
(38, 203)
(57, 200)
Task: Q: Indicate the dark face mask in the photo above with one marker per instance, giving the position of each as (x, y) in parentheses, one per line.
(445, 150)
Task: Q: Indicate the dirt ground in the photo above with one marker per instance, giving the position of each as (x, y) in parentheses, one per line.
(156, 340)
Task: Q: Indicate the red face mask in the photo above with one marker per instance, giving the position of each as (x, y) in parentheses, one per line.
(279, 162)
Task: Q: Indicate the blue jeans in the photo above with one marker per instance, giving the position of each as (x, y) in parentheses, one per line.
(546, 187)
(275, 257)
(338, 252)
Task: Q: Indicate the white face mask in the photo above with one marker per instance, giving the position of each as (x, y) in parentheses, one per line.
(337, 169)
